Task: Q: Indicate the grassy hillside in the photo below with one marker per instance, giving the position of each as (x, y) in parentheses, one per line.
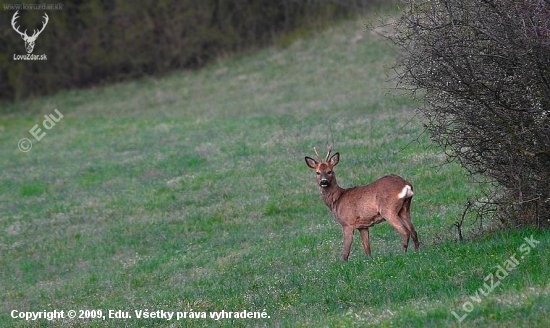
(190, 194)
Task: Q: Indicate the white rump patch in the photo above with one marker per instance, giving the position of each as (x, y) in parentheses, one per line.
(406, 192)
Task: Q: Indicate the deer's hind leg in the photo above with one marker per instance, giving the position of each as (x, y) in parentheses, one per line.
(405, 216)
(396, 223)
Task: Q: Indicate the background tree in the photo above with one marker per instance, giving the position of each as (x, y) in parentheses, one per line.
(98, 41)
(482, 68)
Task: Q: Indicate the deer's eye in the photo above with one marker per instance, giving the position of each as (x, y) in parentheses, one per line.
(329, 172)
(318, 173)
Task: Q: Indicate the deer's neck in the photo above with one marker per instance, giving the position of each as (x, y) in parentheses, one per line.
(331, 195)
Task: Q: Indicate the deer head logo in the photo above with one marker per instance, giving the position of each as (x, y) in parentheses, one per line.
(29, 40)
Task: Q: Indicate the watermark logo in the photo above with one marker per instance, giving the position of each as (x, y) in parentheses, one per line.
(29, 40)
(25, 144)
(493, 280)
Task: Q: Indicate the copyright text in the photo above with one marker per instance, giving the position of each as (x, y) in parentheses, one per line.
(137, 314)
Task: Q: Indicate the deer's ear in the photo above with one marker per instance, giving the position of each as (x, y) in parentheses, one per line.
(334, 159)
(311, 162)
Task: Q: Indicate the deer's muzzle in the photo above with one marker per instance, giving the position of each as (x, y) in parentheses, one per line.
(323, 183)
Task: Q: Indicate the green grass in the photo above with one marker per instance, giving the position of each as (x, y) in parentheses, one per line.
(190, 193)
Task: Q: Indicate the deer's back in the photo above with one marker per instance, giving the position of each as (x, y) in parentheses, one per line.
(368, 200)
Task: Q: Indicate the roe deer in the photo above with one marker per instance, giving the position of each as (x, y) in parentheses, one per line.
(388, 198)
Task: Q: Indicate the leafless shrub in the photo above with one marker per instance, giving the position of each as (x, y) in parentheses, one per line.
(483, 70)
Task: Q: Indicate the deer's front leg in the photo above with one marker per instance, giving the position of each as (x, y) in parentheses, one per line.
(348, 238)
(365, 239)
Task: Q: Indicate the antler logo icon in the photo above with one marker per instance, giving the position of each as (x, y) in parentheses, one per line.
(29, 40)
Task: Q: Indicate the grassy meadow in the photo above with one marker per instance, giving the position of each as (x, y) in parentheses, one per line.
(190, 193)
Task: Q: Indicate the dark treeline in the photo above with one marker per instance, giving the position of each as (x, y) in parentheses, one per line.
(91, 42)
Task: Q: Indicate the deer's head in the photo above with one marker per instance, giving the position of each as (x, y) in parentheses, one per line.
(29, 40)
(324, 168)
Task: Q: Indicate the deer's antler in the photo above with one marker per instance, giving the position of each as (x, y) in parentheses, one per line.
(317, 154)
(328, 154)
(43, 26)
(35, 34)
(16, 28)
